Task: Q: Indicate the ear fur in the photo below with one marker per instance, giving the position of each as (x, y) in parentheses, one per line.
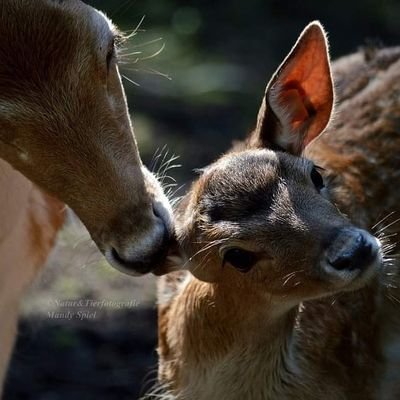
(299, 99)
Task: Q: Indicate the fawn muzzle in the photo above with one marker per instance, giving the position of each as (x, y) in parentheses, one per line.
(352, 253)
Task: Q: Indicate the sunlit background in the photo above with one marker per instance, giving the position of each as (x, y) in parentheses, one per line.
(194, 73)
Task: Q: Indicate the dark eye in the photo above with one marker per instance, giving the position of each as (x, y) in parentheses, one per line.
(317, 179)
(110, 54)
(242, 260)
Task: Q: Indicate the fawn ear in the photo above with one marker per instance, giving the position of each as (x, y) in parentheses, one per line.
(299, 98)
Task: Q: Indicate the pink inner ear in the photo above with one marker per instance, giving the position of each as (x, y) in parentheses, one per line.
(296, 104)
(294, 107)
(299, 98)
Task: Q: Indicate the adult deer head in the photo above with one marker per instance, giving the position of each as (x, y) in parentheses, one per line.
(64, 124)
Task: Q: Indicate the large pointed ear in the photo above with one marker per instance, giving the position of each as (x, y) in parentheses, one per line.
(299, 98)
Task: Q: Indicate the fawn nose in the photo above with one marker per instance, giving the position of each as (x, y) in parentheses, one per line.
(352, 251)
(147, 252)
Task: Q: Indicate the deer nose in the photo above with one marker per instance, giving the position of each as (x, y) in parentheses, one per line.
(145, 254)
(352, 249)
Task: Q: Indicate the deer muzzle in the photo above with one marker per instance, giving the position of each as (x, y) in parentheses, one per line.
(353, 254)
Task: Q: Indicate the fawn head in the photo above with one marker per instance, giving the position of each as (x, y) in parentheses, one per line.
(262, 213)
(64, 124)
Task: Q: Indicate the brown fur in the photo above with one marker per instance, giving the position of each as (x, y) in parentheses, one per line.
(255, 336)
(64, 124)
(360, 149)
(30, 221)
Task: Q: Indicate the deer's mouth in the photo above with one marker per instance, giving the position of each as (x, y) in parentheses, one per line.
(141, 254)
(137, 241)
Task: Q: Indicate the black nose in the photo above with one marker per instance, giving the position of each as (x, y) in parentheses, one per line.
(139, 260)
(142, 265)
(352, 249)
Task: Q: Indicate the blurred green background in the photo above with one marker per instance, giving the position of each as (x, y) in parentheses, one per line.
(218, 56)
(195, 96)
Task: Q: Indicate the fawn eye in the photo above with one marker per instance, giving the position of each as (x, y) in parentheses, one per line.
(317, 179)
(242, 260)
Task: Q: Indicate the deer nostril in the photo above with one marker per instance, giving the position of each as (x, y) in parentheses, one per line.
(117, 257)
(156, 212)
(143, 255)
(341, 263)
(356, 253)
(160, 213)
(138, 266)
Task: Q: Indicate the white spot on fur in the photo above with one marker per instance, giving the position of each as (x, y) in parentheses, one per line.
(23, 156)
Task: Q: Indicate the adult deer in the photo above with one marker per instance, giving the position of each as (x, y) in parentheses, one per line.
(284, 299)
(65, 126)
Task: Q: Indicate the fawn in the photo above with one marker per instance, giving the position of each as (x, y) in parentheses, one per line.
(64, 125)
(285, 297)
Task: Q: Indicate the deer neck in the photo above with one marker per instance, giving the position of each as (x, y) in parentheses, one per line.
(225, 325)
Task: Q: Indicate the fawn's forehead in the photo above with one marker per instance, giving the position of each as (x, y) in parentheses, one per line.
(254, 167)
(243, 184)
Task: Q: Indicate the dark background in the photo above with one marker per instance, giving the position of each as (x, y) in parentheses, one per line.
(199, 93)
(219, 56)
